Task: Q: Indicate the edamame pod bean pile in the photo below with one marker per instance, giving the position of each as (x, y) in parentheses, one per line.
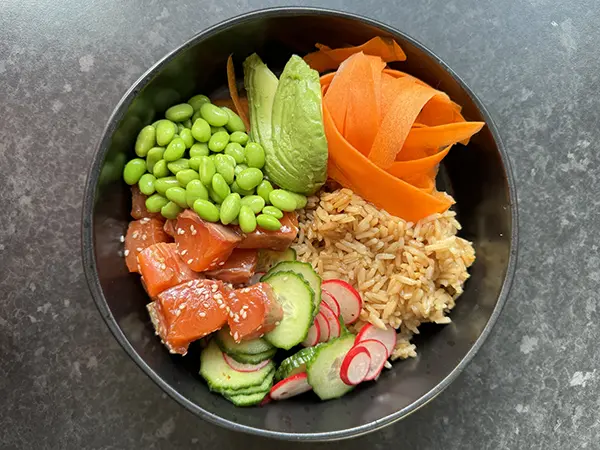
(199, 156)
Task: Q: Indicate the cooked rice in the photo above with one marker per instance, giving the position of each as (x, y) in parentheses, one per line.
(406, 273)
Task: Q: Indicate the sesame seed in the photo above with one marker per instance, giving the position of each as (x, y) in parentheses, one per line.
(183, 252)
(244, 315)
(145, 220)
(214, 288)
(191, 260)
(180, 231)
(245, 307)
(126, 252)
(193, 230)
(122, 238)
(139, 249)
(277, 324)
(182, 306)
(135, 234)
(144, 237)
(202, 314)
(236, 335)
(236, 319)
(221, 263)
(222, 305)
(163, 266)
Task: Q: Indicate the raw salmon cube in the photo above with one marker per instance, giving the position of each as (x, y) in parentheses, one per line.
(141, 234)
(277, 240)
(238, 268)
(138, 206)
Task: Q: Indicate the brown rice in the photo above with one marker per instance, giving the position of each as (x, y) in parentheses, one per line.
(406, 273)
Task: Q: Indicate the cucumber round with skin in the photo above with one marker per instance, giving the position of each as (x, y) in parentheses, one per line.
(296, 299)
(264, 386)
(324, 369)
(307, 272)
(295, 364)
(247, 358)
(229, 346)
(247, 399)
(268, 259)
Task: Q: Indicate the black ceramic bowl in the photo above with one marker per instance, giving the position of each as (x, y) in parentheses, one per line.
(479, 178)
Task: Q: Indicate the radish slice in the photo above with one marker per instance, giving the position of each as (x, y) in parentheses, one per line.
(330, 301)
(255, 278)
(356, 365)
(347, 297)
(241, 367)
(387, 337)
(378, 354)
(291, 386)
(335, 328)
(265, 400)
(323, 327)
(314, 333)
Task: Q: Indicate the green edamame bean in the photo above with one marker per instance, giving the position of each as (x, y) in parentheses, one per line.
(214, 196)
(154, 155)
(165, 130)
(146, 139)
(188, 124)
(196, 116)
(255, 202)
(133, 171)
(197, 101)
(155, 202)
(231, 159)
(249, 178)
(193, 191)
(247, 219)
(214, 130)
(180, 128)
(235, 188)
(301, 200)
(206, 170)
(239, 168)
(272, 211)
(160, 169)
(268, 222)
(218, 141)
(234, 123)
(236, 151)
(195, 163)
(187, 137)
(230, 208)
(264, 189)
(171, 210)
(239, 137)
(255, 155)
(177, 195)
(224, 167)
(186, 175)
(220, 186)
(146, 184)
(206, 210)
(283, 200)
(201, 130)
(162, 184)
(175, 150)
(179, 113)
(214, 115)
(180, 164)
(199, 149)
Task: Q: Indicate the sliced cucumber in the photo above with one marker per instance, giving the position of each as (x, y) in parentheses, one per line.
(220, 376)
(295, 296)
(324, 369)
(248, 358)
(307, 272)
(264, 386)
(247, 400)
(229, 346)
(270, 258)
(295, 364)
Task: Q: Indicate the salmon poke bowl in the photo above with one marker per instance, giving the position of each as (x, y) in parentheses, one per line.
(300, 224)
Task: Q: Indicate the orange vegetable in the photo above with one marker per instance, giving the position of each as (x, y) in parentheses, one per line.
(233, 92)
(441, 135)
(327, 59)
(407, 169)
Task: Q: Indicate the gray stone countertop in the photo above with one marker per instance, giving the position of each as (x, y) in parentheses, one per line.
(64, 381)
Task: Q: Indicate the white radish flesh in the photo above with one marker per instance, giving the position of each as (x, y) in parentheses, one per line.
(290, 387)
(241, 367)
(347, 297)
(332, 320)
(378, 354)
(387, 337)
(314, 333)
(330, 301)
(355, 366)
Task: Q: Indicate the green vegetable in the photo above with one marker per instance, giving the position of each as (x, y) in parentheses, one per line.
(239, 168)
(133, 171)
(264, 189)
(206, 210)
(239, 137)
(155, 202)
(162, 184)
(199, 149)
(218, 141)
(146, 184)
(229, 158)
(283, 200)
(197, 101)
(236, 188)
(195, 162)
(220, 186)
(236, 151)
(261, 85)
(214, 115)
(255, 202)
(177, 195)
(255, 155)
(224, 167)
(180, 164)
(196, 116)
(268, 222)
(207, 170)
(165, 130)
(234, 123)
(187, 137)
(145, 141)
(160, 169)
(230, 208)
(272, 211)
(249, 178)
(175, 149)
(171, 210)
(201, 130)
(188, 124)
(180, 127)
(195, 190)
(186, 175)
(179, 113)
(247, 219)
(154, 155)
(301, 200)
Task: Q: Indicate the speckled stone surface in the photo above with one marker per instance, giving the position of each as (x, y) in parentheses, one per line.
(64, 381)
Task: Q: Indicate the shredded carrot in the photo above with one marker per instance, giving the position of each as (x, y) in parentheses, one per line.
(327, 59)
(405, 169)
(441, 135)
(233, 92)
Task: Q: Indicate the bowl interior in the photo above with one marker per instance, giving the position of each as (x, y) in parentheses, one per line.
(476, 176)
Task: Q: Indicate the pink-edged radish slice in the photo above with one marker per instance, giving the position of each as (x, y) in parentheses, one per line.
(323, 327)
(335, 328)
(256, 278)
(314, 333)
(378, 354)
(330, 301)
(355, 366)
(265, 400)
(347, 297)
(387, 337)
(290, 387)
(241, 367)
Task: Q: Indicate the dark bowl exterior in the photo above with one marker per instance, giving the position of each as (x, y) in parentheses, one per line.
(479, 178)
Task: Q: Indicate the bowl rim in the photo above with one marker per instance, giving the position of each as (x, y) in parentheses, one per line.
(88, 248)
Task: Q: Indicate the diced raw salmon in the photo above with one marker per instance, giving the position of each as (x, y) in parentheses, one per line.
(188, 312)
(162, 268)
(203, 245)
(238, 268)
(274, 240)
(170, 227)
(141, 234)
(138, 206)
(253, 311)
